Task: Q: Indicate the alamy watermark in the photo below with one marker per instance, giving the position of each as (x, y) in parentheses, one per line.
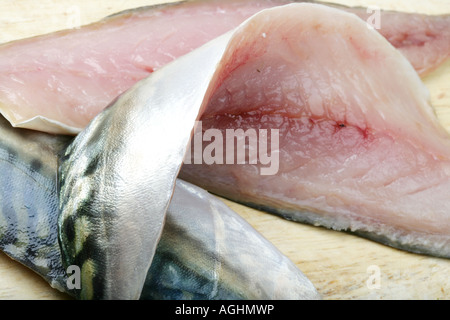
(374, 280)
(374, 20)
(73, 277)
(236, 146)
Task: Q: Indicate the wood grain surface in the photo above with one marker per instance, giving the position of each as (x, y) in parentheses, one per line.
(340, 265)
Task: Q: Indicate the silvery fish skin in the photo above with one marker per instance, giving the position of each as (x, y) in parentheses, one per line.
(29, 200)
(218, 249)
(102, 187)
(198, 256)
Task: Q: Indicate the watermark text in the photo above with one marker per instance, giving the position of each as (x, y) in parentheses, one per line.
(235, 146)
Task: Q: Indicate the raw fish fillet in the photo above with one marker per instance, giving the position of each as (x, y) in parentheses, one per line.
(60, 81)
(424, 40)
(360, 148)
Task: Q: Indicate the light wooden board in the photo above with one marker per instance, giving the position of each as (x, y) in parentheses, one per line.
(340, 265)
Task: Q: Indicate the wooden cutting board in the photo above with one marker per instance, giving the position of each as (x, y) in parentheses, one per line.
(340, 265)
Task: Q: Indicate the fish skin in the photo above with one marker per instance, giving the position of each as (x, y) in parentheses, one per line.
(29, 200)
(81, 83)
(130, 168)
(218, 248)
(113, 145)
(28, 166)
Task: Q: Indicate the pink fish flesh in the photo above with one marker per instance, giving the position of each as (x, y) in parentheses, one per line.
(60, 81)
(360, 148)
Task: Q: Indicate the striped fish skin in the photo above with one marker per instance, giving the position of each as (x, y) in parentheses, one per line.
(207, 252)
(116, 165)
(203, 261)
(29, 200)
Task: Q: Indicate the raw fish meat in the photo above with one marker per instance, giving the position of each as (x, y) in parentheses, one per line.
(359, 147)
(60, 81)
(351, 139)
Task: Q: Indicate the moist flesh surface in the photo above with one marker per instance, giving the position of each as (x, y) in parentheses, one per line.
(60, 81)
(359, 146)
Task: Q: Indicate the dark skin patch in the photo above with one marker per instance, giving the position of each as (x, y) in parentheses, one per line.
(91, 250)
(36, 165)
(31, 252)
(64, 156)
(97, 284)
(12, 154)
(92, 166)
(69, 229)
